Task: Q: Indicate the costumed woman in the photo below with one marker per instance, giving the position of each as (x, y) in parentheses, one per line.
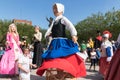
(37, 59)
(114, 68)
(61, 54)
(106, 53)
(8, 63)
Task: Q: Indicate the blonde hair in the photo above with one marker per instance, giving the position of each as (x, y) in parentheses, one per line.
(10, 26)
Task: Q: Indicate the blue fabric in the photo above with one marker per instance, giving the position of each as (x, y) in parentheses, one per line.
(108, 51)
(60, 48)
(1, 52)
(98, 54)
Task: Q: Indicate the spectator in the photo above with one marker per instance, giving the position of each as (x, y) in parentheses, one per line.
(37, 59)
(24, 64)
(93, 58)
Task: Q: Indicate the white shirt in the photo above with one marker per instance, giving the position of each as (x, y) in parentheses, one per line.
(25, 62)
(93, 55)
(104, 45)
(69, 26)
(38, 36)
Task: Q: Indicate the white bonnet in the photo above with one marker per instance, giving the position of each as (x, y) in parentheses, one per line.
(60, 7)
(106, 35)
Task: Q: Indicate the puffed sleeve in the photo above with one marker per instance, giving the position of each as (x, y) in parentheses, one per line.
(8, 37)
(9, 43)
(49, 30)
(109, 53)
(69, 26)
(38, 36)
(18, 42)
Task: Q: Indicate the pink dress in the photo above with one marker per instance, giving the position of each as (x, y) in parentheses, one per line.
(8, 61)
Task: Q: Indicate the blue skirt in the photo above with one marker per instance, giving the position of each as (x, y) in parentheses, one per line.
(60, 47)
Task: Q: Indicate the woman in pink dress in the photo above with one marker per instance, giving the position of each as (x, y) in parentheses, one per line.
(9, 59)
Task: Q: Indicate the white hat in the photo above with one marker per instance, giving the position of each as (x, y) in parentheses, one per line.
(106, 35)
(60, 7)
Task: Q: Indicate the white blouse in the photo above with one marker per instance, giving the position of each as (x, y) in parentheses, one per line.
(69, 26)
(25, 62)
(38, 36)
(104, 45)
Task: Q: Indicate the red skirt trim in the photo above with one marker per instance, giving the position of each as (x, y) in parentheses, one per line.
(72, 64)
(104, 65)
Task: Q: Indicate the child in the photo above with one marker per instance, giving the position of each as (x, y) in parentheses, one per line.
(83, 49)
(93, 58)
(24, 65)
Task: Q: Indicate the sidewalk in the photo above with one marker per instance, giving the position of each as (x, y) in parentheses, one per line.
(91, 75)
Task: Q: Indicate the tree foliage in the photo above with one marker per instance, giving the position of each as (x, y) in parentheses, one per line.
(23, 30)
(108, 21)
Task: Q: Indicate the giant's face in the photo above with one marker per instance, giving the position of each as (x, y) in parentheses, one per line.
(55, 11)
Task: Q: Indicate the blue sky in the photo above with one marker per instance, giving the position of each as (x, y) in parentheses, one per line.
(37, 10)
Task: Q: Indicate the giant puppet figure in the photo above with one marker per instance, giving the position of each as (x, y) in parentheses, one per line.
(114, 68)
(106, 54)
(61, 54)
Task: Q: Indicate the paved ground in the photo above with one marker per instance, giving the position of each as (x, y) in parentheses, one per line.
(91, 75)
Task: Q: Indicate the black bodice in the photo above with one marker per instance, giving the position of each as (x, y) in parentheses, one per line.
(58, 29)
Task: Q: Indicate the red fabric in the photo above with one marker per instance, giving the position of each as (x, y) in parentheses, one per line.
(104, 65)
(99, 38)
(114, 69)
(72, 64)
(107, 32)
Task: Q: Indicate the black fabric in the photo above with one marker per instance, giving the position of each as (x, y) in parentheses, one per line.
(37, 59)
(97, 43)
(58, 29)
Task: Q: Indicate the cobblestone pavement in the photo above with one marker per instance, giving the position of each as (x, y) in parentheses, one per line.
(91, 75)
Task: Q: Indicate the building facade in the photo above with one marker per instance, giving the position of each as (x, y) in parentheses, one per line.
(18, 21)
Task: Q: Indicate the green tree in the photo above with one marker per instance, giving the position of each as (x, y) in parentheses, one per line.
(108, 21)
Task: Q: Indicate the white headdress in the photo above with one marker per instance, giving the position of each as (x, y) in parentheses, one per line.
(106, 35)
(60, 7)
